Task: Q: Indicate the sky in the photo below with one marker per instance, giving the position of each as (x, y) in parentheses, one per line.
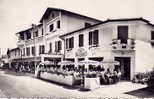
(17, 15)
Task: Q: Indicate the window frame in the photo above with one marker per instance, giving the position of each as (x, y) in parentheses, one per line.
(81, 40)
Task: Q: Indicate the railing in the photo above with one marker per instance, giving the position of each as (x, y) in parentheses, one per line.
(21, 42)
(118, 45)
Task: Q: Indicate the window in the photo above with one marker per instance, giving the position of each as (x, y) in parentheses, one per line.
(50, 47)
(28, 51)
(123, 33)
(41, 49)
(81, 40)
(70, 43)
(23, 53)
(94, 37)
(42, 31)
(36, 33)
(87, 24)
(58, 46)
(21, 36)
(67, 43)
(152, 35)
(51, 27)
(28, 35)
(58, 24)
(33, 50)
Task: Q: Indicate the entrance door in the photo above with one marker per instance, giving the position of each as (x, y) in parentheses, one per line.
(124, 67)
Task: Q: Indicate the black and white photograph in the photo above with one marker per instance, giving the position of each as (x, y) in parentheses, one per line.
(76, 49)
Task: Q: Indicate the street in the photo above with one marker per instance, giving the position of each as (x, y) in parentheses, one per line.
(12, 85)
(20, 85)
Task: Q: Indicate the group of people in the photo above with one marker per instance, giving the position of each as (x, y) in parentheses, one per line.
(23, 68)
(110, 77)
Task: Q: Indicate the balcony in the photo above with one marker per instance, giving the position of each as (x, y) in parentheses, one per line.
(21, 42)
(117, 45)
(32, 41)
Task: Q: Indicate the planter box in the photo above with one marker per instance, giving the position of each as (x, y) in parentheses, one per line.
(67, 80)
(91, 83)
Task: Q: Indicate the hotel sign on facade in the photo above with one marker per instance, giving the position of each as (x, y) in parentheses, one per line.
(81, 53)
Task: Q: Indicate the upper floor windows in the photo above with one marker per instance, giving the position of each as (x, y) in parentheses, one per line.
(152, 35)
(94, 37)
(41, 49)
(28, 51)
(51, 27)
(123, 33)
(58, 24)
(54, 26)
(35, 34)
(81, 40)
(42, 31)
(87, 24)
(50, 47)
(58, 46)
(21, 37)
(28, 35)
(70, 43)
(33, 50)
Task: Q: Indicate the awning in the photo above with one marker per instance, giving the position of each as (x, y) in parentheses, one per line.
(65, 62)
(88, 62)
(47, 63)
(109, 62)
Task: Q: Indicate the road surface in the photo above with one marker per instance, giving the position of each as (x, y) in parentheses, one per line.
(20, 85)
(17, 85)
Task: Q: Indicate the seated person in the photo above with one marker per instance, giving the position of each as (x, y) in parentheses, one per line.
(108, 76)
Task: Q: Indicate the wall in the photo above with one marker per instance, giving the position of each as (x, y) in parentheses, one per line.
(144, 50)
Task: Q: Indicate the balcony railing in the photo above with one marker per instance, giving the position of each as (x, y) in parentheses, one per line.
(21, 42)
(118, 45)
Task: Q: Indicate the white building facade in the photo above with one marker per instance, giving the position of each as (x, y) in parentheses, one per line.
(123, 40)
(65, 35)
(41, 42)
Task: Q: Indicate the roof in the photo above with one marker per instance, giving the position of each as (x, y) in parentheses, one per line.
(111, 20)
(28, 29)
(17, 48)
(48, 10)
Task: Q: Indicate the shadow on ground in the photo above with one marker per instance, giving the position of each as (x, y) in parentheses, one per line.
(59, 84)
(142, 93)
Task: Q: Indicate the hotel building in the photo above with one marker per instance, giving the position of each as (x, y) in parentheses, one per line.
(41, 42)
(65, 35)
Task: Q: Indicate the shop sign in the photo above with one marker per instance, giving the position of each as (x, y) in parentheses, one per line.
(81, 52)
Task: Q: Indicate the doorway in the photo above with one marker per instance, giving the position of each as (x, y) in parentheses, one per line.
(124, 67)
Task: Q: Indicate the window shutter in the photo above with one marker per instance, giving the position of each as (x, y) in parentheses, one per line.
(72, 42)
(152, 35)
(90, 38)
(95, 38)
(81, 40)
(66, 43)
(58, 24)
